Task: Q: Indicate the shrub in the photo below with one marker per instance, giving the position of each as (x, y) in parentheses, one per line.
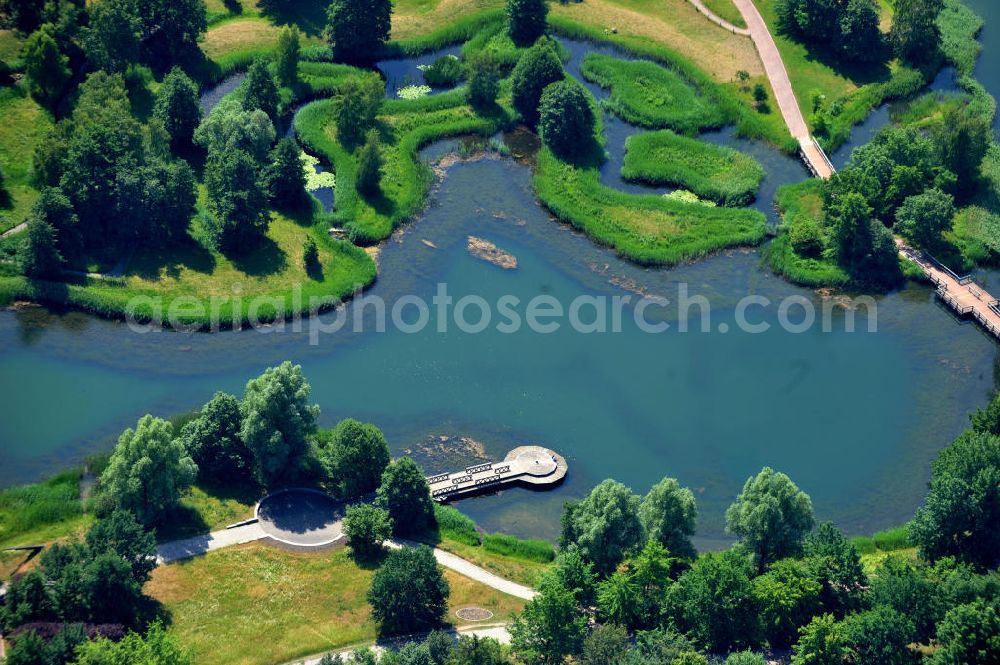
(565, 118)
(366, 528)
(443, 72)
(484, 80)
(536, 69)
(310, 253)
(807, 238)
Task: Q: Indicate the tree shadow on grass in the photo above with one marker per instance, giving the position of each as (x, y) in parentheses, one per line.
(858, 73)
(368, 560)
(156, 262)
(181, 522)
(309, 15)
(265, 258)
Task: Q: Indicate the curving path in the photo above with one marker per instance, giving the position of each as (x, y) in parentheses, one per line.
(718, 20)
(784, 95)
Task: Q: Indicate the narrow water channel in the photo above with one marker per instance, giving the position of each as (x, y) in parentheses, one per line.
(854, 418)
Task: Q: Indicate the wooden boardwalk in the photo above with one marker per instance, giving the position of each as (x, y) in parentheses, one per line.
(533, 466)
(960, 293)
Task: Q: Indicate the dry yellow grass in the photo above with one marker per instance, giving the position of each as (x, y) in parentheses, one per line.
(675, 24)
(254, 604)
(238, 35)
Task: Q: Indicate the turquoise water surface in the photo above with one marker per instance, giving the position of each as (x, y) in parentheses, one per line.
(854, 418)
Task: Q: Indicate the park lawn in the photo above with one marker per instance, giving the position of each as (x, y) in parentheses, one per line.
(10, 46)
(522, 571)
(206, 508)
(725, 9)
(674, 24)
(42, 512)
(24, 125)
(254, 604)
(719, 173)
(273, 271)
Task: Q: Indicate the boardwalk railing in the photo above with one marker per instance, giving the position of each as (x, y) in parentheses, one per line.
(961, 279)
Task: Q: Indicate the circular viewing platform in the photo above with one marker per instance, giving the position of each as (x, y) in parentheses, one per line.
(532, 466)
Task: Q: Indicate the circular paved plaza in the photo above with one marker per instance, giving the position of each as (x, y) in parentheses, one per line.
(301, 517)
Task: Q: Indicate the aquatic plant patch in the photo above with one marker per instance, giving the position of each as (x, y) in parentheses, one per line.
(712, 172)
(646, 94)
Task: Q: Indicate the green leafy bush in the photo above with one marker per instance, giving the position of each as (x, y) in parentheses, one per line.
(444, 72)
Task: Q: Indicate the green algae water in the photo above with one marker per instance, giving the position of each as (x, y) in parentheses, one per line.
(854, 418)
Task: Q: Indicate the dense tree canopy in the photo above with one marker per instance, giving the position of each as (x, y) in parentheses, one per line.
(961, 516)
(565, 118)
(46, 67)
(114, 35)
(358, 29)
(915, 34)
(771, 516)
(483, 76)
(260, 92)
(148, 470)
(538, 67)
(213, 440)
(366, 527)
(357, 456)
(287, 55)
(605, 526)
(669, 514)
(850, 28)
(287, 173)
(526, 20)
(277, 421)
(713, 602)
(404, 493)
(409, 592)
(924, 218)
(355, 115)
(550, 628)
(177, 108)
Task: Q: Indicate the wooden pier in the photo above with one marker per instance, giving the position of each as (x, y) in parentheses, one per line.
(960, 293)
(532, 466)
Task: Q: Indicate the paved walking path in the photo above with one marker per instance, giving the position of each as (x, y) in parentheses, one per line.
(472, 571)
(191, 547)
(17, 229)
(774, 67)
(718, 20)
(962, 294)
(496, 631)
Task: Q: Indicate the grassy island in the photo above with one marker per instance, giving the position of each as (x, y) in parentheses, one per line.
(721, 174)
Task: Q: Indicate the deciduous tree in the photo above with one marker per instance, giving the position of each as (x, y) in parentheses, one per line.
(605, 526)
(526, 20)
(358, 29)
(408, 593)
(177, 107)
(404, 493)
(148, 470)
(669, 514)
(537, 68)
(771, 516)
(277, 420)
(357, 456)
(565, 118)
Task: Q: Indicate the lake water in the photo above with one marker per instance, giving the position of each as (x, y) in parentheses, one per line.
(854, 418)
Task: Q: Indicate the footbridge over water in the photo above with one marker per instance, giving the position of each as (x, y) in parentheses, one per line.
(531, 466)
